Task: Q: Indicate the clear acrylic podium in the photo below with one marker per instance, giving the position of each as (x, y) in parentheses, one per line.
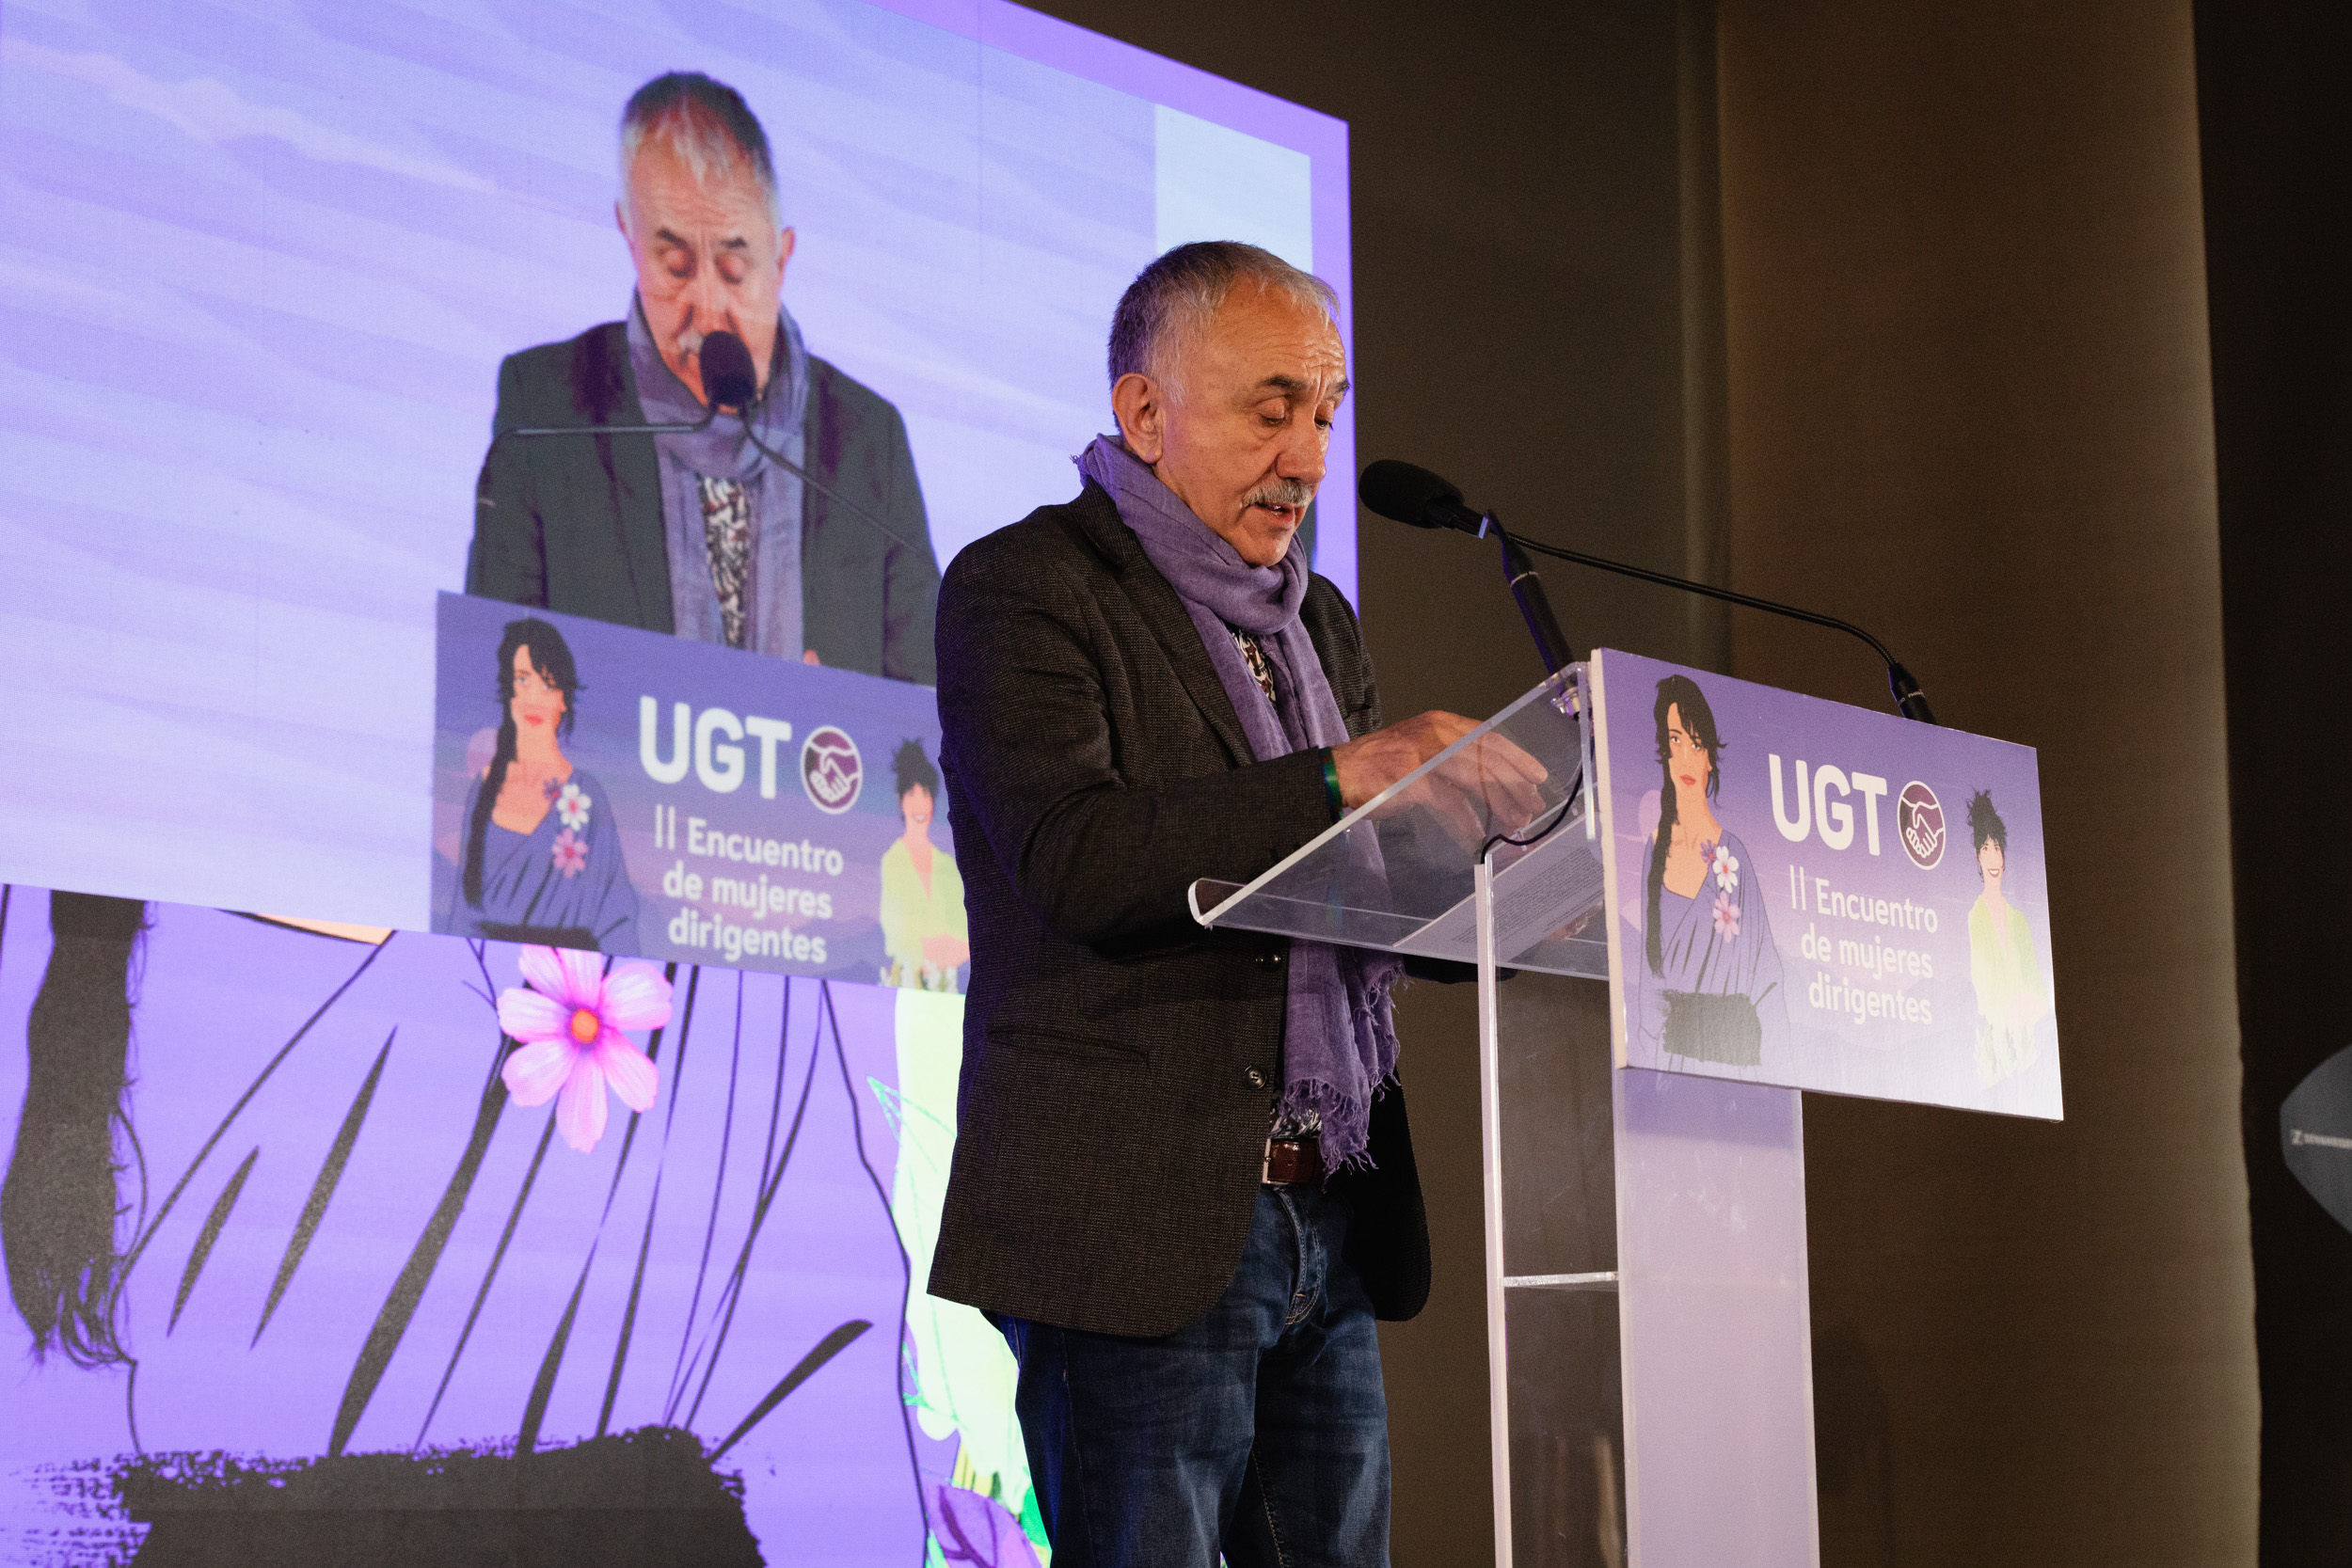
(1648, 1348)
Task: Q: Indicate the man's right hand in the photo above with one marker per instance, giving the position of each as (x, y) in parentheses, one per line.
(1370, 765)
(1491, 783)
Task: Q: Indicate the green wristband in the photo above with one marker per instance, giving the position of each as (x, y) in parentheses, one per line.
(1331, 782)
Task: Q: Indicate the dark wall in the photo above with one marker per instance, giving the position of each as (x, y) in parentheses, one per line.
(1970, 409)
(2277, 121)
(1930, 354)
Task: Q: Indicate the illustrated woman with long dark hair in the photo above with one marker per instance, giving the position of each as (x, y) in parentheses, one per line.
(2006, 974)
(540, 860)
(1708, 980)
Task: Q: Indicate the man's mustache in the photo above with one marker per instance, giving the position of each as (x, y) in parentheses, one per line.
(1280, 492)
(693, 327)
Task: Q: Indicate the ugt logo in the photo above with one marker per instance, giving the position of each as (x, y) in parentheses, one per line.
(830, 771)
(1919, 823)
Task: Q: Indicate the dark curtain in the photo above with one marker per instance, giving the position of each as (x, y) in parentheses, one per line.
(2275, 103)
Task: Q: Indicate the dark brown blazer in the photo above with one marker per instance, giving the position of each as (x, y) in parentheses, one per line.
(1120, 1064)
(574, 523)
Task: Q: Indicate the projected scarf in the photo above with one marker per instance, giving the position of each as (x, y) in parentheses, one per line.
(768, 592)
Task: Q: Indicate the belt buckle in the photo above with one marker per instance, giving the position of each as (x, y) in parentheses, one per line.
(1265, 1164)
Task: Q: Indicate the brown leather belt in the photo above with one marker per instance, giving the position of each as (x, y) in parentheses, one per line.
(1291, 1162)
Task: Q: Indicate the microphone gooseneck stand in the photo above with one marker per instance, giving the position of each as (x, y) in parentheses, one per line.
(821, 487)
(1910, 700)
(1416, 496)
(728, 378)
(730, 383)
(526, 433)
(1552, 643)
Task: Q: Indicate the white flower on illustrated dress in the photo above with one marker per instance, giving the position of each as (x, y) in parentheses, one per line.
(572, 806)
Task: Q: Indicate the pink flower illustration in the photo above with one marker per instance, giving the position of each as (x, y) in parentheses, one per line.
(1726, 866)
(1726, 917)
(571, 853)
(568, 1025)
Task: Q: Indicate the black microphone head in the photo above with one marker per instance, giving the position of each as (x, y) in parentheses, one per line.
(1405, 494)
(728, 379)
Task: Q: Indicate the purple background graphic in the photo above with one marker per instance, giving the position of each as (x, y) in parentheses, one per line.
(263, 266)
(770, 1087)
(617, 666)
(1827, 1049)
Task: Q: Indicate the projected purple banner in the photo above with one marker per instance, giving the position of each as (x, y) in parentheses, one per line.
(1806, 893)
(688, 801)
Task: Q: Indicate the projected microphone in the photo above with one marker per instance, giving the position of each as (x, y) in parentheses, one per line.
(527, 433)
(1416, 496)
(729, 380)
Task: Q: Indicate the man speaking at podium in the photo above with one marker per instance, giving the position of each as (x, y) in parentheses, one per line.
(701, 533)
(1183, 1185)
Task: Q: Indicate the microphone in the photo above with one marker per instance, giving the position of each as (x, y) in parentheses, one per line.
(1420, 498)
(728, 379)
(1416, 496)
(710, 412)
(730, 382)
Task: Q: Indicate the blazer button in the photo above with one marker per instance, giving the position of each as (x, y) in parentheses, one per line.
(1257, 1079)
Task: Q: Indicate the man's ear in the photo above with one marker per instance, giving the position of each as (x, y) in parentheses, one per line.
(620, 220)
(1140, 407)
(784, 253)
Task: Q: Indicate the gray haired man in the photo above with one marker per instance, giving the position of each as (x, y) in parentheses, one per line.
(1182, 1183)
(702, 534)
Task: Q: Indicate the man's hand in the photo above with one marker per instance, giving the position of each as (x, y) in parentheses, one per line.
(1370, 765)
(1490, 784)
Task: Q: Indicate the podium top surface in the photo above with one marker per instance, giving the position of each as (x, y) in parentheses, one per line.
(1397, 873)
(1845, 901)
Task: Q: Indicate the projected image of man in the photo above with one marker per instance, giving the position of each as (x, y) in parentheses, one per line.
(702, 534)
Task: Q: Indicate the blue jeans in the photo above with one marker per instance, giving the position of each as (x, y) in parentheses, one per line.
(1260, 1429)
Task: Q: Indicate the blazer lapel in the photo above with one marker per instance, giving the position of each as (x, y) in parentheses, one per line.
(632, 473)
(1163, 613)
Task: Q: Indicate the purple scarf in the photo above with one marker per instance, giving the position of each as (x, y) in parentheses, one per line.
(1339, 1037)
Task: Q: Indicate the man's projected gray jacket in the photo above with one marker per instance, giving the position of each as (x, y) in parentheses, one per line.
(573, 523)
